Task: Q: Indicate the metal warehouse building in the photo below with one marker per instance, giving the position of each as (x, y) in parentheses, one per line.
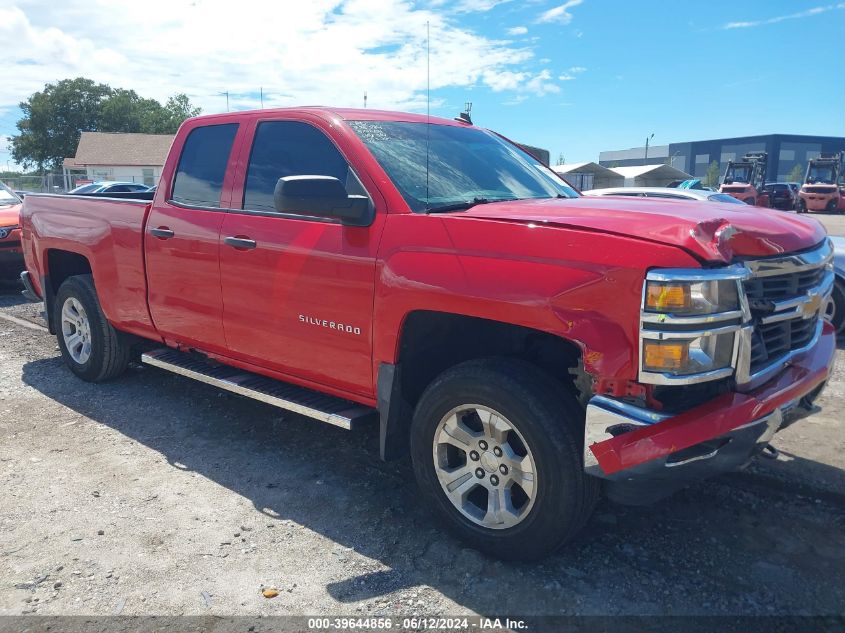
(785, 151)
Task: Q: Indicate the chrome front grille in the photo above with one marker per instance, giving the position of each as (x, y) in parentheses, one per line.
(786, 299)
(779, 287)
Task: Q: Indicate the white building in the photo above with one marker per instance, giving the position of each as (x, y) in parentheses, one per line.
(117, 156)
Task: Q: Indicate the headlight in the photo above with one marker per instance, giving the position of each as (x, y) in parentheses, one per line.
(689, 325)
(691, 298)
(689, 356)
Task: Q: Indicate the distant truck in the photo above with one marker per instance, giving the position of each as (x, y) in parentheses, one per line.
(527, 346)
(822, 189)
(745, 179)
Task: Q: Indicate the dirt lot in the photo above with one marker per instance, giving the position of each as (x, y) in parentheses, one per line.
(157, 495)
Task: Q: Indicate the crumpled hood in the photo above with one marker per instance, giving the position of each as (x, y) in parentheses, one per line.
(10, 216)
(712, 231)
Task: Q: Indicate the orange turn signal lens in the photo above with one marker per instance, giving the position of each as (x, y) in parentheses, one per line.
(663, 356)
(667, 297)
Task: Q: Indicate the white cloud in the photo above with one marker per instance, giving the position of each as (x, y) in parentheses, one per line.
(559, 13)
(515, 101)
(540, 84)
(565, 77)
(780, 18)
(471, 6)
(517, 30)
(577, 69)
(320, 51)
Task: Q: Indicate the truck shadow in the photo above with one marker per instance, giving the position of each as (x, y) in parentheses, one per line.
(734, 545)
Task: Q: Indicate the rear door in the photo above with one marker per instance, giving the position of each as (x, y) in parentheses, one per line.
(182, 242)
(297, 289)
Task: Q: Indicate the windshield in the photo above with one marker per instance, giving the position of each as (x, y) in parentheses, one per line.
(820, 175)
(465, 165)
(737, 173)
(86, 188)
(723, 197)
(7, 197)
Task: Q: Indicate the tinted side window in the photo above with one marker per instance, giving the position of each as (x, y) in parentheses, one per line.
(202, 165)
(290, 148)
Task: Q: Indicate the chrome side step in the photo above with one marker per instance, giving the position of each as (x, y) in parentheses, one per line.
(312, 404)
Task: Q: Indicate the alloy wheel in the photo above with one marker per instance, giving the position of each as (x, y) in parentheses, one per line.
(485, 467)
(76, 331)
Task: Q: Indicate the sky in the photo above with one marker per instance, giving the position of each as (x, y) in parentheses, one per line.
(575, 77)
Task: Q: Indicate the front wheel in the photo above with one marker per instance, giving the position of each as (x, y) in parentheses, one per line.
(90, 346)
(835, 310)
(496, 447)
(802, 206)
(751, 202)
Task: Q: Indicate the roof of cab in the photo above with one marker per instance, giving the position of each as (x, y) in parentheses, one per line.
(346, 114)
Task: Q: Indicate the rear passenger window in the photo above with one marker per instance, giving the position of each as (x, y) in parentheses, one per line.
(291, 148)
(202, 165)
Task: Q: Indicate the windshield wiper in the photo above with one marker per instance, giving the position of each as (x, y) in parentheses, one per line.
(459, 206)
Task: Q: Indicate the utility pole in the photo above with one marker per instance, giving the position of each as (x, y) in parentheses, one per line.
(261, 91)
(647, 139)
(227, 98)
(365, 99)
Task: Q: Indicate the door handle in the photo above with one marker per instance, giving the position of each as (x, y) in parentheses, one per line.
(162, 232)
(242, 243)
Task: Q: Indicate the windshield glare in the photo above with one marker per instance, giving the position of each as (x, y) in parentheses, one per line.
(464, 165)
(723, 197)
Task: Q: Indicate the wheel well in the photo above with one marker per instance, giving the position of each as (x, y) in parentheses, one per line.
(431, 342)
(60, 266)
(64, 264)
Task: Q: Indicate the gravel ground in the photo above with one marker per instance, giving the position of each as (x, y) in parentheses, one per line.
(154, 494)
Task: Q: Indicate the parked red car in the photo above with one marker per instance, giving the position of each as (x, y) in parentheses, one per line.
(11, 255)
(529, 347)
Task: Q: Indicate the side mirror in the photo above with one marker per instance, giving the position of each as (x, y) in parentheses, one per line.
(323, 197)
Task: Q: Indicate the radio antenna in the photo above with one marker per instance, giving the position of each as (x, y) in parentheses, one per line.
(427, 105)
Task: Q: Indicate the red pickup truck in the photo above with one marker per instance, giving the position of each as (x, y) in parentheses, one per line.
(529, 347)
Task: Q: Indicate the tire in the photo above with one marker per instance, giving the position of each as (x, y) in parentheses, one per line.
(836, 309)
(90, 346)
(751, 202)
(545, 432)
(802, 206)
(832, 207)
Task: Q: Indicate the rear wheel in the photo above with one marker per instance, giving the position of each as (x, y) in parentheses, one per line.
(832, 206)
(496, 448)
(90, 346)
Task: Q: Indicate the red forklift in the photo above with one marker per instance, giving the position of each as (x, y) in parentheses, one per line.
(745, 179)
(822, 189)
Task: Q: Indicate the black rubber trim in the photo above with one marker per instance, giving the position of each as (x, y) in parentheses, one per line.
(395, 413)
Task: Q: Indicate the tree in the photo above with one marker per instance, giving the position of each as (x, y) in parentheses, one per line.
(55, 118)
(796, 174)
(713, 175)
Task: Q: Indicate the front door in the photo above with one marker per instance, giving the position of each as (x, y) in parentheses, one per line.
(297, 290)
(182, 243)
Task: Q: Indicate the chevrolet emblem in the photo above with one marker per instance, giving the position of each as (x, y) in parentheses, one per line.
(811, 306)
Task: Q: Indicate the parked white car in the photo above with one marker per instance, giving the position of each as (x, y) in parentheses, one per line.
(665, 192)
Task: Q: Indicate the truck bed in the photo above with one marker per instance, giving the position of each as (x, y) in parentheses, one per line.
(106, 231)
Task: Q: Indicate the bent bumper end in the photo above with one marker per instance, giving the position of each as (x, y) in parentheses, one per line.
(646, 454)
(28, 289)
